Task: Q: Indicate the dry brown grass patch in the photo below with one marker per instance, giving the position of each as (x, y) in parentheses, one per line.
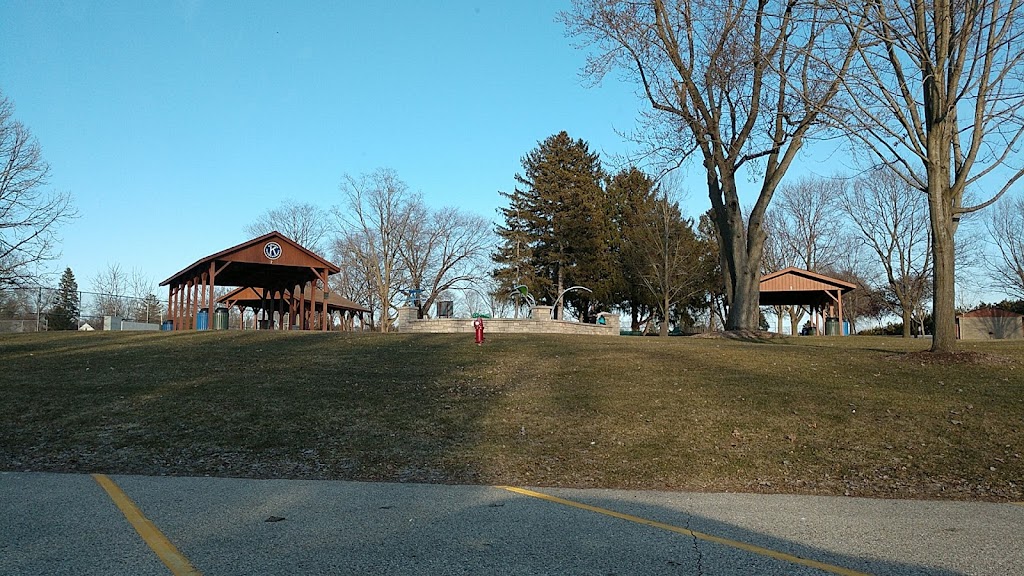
(795, 415)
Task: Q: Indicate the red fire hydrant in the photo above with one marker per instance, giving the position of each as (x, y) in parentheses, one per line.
(478, 326)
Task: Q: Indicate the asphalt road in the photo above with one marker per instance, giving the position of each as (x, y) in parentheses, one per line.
(70, 524)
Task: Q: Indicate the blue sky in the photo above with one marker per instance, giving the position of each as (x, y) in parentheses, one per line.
(174, 124)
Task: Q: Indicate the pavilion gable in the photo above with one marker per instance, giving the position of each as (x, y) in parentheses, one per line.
(797, 287)
(272, 263)
(799, 280)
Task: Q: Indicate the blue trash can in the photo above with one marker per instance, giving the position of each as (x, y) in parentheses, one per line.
(203, 319)
(167, 325)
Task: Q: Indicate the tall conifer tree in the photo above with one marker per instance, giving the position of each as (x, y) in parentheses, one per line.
(64, 313)
(632, 194)
(558, 230)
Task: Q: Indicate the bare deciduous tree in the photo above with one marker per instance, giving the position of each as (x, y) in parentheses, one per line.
(124, 294)
(372, 221)
(29, 214)
(674, 267)
(1006, 230)
(307, 224)
(442, 249)
(740, 83)
(354, 281)
(810, 227)
(937, 97)
(892, 219)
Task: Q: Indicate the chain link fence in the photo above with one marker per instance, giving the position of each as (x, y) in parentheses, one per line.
(28, 309)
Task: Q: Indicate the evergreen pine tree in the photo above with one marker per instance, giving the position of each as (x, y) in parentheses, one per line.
(150, 309)
(514, 255)
(632, 195)
(64, 313)
(558, 231)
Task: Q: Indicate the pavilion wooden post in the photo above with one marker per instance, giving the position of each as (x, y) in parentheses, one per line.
(172, 312)
(323, 274)
(289, 303)
(182, 293)
(263, 306)
(279, 295)
(197, 300)
(177, 306)
(204, 287)
(837, 301)
(190, 294)
(211, 302)
(196, 296)
(181, 307)
(312, 300)
(839, 293)
(170, 300)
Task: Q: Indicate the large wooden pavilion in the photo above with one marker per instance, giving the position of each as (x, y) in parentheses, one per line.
(291, 305)
(273, 265)
(798, 287)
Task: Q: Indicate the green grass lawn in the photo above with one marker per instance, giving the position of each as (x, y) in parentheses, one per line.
(857, 416)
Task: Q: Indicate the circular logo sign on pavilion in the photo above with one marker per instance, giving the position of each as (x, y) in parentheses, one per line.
(272, 250)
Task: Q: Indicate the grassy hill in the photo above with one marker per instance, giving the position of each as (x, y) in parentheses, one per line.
(862, 416)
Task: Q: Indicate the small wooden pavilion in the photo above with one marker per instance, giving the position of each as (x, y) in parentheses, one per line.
(797, 287)
(273, 265)
(341, 312)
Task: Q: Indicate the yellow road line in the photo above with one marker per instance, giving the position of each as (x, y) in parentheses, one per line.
(154, 538)
(685, 531)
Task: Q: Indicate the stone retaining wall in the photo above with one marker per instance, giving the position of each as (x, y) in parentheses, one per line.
(407, 322)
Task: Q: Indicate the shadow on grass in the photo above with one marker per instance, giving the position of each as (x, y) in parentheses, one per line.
(256, 404)
(611, 412)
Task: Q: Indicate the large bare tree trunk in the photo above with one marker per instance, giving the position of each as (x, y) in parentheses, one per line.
(943, 281)
(663, 331)
(740, 83)
(744, 310)
(741, 245)
(939, 83)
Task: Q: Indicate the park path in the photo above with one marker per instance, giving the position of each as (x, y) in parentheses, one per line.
(94, 524)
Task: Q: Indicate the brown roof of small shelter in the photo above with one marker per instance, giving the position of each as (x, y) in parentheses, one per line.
(990, 313)
(247, 264)
(797, 287)
(250, 297)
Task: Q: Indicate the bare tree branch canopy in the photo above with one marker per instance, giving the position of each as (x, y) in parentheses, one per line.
(937, 95)
(388, 242)
(891, 218)
(810, 224)
(356, 280)
(124, 294)
(740, 83)
(29, 214)
(805, 230)
(674, 266)
(1006, 228)
(442, 249)
(372, 221)
(307, 224)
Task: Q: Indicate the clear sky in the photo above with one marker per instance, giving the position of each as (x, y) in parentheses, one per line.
(176, 123)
